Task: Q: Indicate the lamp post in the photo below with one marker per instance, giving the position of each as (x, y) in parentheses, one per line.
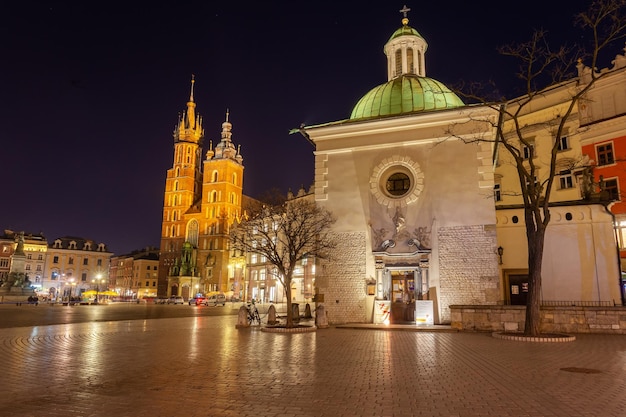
(72, 284)
(97, 282)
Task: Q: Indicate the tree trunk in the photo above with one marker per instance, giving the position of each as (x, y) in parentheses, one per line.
(536, 239)
(289, 305)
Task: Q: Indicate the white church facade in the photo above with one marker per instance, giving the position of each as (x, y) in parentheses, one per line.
(410, 177)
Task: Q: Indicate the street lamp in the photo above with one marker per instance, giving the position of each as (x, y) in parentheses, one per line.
(97, 281)
(72, 284)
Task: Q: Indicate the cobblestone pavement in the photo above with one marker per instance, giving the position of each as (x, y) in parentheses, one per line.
(204, 366)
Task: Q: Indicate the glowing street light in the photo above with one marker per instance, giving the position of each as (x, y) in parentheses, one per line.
(72, 284)
(97, 282)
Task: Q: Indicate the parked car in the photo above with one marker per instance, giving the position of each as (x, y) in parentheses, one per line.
(214, 300)
(176, 299)
(196, 301)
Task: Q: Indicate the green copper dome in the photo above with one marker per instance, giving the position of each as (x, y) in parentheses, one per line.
(403, 31)
(405, 94)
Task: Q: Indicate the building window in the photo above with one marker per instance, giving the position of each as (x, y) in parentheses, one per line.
(528, 151)
(99, 263)
(86, 261)
(40, 257)
(563, 143)
(83, 277)
(612, 188)
(398, 62)
(71, 261)
(496, 192)
(565, 179)
(605, 154)
(398, 184)
(55, 260)
(28, 267)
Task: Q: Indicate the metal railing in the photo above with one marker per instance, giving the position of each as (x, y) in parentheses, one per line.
(578, 303)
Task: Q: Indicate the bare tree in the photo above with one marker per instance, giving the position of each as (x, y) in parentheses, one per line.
(285, 234)
(540, 66)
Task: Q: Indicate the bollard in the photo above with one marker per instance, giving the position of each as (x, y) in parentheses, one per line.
(321, 321)
(271, 315)
(242, 318)
(307, 311)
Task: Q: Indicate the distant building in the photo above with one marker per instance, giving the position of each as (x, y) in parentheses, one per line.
(74, 265)
(135, 275)
(35, 248)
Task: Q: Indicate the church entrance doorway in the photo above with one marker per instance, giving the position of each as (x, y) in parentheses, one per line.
(403, 296)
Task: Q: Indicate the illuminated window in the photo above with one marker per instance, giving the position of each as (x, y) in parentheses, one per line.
(563, 143)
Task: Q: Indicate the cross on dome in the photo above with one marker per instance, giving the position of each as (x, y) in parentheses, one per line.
(404, 10)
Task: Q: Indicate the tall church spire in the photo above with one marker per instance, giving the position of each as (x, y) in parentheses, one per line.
(191, 106)
(189, 128)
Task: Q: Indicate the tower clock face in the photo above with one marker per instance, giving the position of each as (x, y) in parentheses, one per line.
(396, 181)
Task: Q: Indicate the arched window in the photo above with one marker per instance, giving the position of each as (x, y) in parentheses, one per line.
(192, 232)
(188, 157)
(420, 70)
(235, 178)
(398, 62)
(178, 172)
(409, 61)
(213, 197)
(174, 217)
(175, 185)
(214, 176)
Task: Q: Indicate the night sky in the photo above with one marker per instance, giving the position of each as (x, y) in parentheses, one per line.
(91, 92)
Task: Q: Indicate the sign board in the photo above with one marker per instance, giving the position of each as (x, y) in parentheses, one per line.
(424, 312)
(382, 309)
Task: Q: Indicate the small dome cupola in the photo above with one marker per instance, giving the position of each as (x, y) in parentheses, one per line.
(405, 51)
(408, 89)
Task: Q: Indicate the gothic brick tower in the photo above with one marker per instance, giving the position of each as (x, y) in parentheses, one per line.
(202, 199)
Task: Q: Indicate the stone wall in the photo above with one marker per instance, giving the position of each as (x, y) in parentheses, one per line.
(572, 319)
(468, 267)
(342, 280)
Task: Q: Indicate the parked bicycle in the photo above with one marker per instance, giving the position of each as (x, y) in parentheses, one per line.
(253, 313)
